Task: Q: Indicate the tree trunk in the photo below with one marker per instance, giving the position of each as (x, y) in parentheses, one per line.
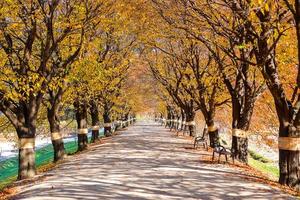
(161, 119)
(213, 134)
(118, 124)
(126, 120)
(107, 125)
(134, 118)
(168, 124)
(242, 111)
(289, 162)
(240, 146)
(26, 152)
(289, 156)
(190, 123)
(95, 134)
(95, 121)
(123, 125)
(192, 130)
(129, 120)
(81, 118)
(172, 122)
(82, 139)
(177, 122)
(239, 143)
(212, 130)
(56, 136)
(183, 119)
(241, 116)
(289, 134)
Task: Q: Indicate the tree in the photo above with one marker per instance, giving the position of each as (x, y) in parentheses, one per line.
(272, 25)
(79, 94)
(113, 69)
(168, 70)
(266, 22)
(259, 26)
(205, 85)
(226, 39)
(28, 38)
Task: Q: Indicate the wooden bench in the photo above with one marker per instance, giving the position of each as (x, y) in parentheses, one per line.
(200, 140)
(221, 150)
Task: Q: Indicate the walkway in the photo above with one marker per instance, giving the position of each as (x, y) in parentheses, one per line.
(144, 162)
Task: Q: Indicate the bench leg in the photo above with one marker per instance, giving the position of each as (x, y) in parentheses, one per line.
(226, 157)
(213, 157)
(219, 158)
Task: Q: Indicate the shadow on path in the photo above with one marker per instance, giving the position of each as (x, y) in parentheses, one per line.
(145, 162)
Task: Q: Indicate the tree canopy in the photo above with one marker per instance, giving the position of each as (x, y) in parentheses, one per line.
(106, 61)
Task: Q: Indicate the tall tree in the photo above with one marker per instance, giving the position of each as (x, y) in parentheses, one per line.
(29, 37)
(168, 70)
(218, 29)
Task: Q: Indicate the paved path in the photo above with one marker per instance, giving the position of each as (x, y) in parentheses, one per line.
(144, 162)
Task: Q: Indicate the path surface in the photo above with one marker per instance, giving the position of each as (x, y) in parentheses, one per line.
(144, 162)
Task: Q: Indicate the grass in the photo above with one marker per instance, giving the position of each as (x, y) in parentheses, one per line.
(223, 142)
(263, 165)
(259, 157)
(43, 156)
(7, 181)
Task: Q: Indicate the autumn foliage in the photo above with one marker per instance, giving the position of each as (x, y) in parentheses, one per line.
(105, 61)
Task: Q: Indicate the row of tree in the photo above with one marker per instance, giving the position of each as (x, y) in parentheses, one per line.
(214, 53)
(206, 55)
(62, 54)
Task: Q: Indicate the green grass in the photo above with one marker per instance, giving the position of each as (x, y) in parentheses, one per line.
(223, 142)
(263, 165)
(43, 156)
(259, 157)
